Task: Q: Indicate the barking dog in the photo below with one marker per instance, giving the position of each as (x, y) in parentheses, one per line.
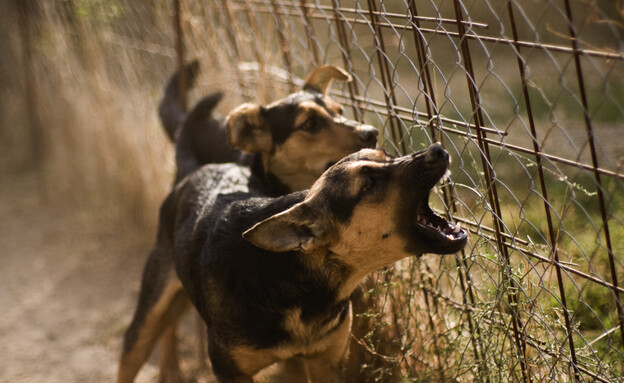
(290, 141)
(272, 277)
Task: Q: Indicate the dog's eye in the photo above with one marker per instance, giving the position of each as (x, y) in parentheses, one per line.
(310, 125)
(369, 182)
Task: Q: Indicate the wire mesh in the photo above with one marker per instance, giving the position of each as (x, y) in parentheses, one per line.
(525, 95)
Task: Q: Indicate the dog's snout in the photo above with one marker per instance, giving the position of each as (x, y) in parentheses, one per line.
(367, 135)
(436, 153)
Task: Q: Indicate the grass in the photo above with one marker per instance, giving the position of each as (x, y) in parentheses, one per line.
(103, 147)
(448, 318)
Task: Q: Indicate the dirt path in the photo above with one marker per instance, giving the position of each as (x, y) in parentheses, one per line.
(67, 291)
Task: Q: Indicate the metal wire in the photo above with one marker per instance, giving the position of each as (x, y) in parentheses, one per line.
(525, 95)
(407, 81)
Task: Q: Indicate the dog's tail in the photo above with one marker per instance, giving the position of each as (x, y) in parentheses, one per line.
(170, 109)
(203, 109)
(191, 141)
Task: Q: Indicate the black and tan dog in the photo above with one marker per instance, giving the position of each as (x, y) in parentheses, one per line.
(273, 277)
(290, 141)
(287, 144)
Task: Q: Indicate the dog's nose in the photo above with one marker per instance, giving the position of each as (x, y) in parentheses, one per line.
(436, 153)
(367, 135)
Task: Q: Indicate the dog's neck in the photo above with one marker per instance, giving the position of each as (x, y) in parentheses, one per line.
(340, 277)
(327, 270)
(294, 175)
(343, 277)
(264, 181)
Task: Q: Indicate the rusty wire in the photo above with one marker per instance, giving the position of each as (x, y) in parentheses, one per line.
(525, 95)
(407, 59)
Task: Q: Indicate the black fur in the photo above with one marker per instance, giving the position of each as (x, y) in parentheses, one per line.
(293, 300)
(283, 116)
(170, 109)
(256, 279)
(207, 206)
(217, 267)
(197, 142)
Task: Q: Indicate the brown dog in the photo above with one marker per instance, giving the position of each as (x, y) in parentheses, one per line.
(290, 142)
(272, 277)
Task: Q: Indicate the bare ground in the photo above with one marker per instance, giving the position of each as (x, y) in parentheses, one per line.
(68, 289)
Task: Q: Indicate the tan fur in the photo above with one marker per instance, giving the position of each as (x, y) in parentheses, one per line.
(309, 109)
(303, 158)
(332, 105)
(169, 362)
(364, 236)
(246, 129)
(171, 304)
(307, 333)
(354, 183)
(322, 77)
(323, 357)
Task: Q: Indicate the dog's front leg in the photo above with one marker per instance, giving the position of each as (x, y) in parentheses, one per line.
(227, 375)
(295, 370)
(326, 371)
(226, 363)
(161, 303)
(169, 362)
(328, 366)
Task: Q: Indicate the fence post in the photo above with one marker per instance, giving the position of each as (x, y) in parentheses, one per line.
(433, 115)
(594, 157)
(385, 79)
(540, 169)
(182, 83)
(35, 130)
(343, 41)
(280, 29)
(305, 12)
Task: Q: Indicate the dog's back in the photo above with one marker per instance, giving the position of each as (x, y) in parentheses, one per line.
(199, 195)
(201, 139)
(253, 278)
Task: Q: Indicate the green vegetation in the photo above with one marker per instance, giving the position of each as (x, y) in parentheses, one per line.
(491, 313)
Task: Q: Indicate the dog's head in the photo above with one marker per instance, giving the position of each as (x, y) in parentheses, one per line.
(300, 136)
(369, 210)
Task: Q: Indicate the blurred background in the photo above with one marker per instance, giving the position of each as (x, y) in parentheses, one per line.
(527, 97)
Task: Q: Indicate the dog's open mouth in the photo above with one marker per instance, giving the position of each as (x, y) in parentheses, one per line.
(437, 226)
(444, 237)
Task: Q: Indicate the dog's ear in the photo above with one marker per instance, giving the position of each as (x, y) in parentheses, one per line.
(297, 228)
(321, 78)
(246, 129)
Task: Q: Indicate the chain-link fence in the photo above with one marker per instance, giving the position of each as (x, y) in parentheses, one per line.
(528, 98)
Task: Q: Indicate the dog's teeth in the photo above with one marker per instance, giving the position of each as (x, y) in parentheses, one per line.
(457, 228)
(450, 237)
